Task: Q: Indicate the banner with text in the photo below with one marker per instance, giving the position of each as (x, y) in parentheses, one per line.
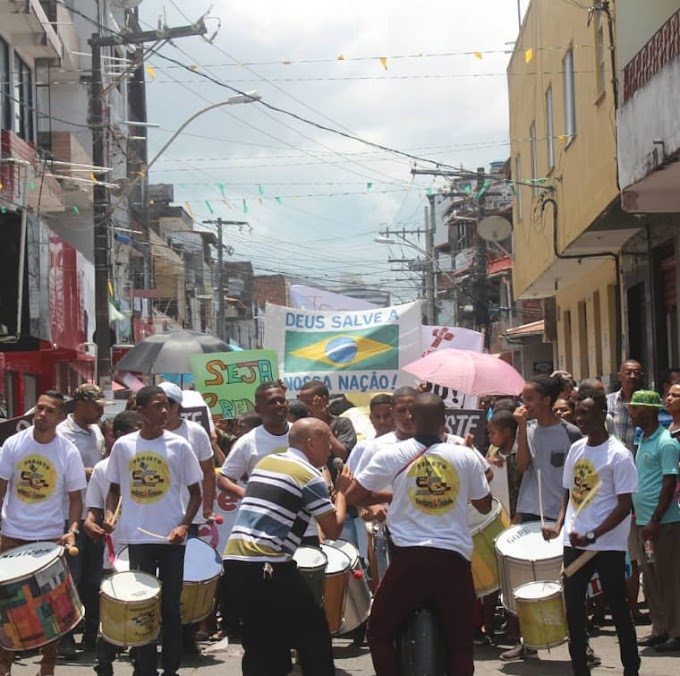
(228, 380)
(360, 351)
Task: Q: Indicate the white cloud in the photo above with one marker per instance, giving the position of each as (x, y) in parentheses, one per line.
(442, 118)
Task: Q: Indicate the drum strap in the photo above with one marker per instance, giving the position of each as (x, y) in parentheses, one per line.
(410, 462)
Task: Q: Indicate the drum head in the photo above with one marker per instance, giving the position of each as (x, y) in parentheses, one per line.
(201, 561)
(309, 557)
(478, 521)
(534, 591)
(347, 548)
(337, 560)
(22, 561)
(122, 561)
(131, 586)
(525, 542)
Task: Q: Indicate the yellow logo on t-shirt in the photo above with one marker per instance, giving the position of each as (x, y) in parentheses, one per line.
(436, 485)
(149, 477)
(37, 479)
(586, 482)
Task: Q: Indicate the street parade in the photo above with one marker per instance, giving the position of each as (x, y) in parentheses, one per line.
(238, 436)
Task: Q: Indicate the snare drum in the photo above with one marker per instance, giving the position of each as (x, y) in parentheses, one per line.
(524, 556)
(378, 550)
(542, 616)
(311, 563)
(484, 529)
(130, 608)
(202, 570)
(38, 599)
(358, 596)
(335, 586)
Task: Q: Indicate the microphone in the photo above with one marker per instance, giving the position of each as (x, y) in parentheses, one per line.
(338, 464)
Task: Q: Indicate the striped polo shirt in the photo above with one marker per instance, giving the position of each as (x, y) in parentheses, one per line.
(283, 494)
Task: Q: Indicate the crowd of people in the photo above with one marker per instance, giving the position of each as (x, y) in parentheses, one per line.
(598, 470)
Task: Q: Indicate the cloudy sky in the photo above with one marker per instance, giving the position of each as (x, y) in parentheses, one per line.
(409, 80)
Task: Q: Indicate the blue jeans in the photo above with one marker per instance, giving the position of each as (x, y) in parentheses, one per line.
(168, 560)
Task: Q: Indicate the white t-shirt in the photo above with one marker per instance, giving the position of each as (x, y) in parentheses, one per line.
(250, 449)
(151, 474)
(89, 442)
(97, 490)
(429, 506)
(38, 476)
(200, 444)
(372, 446)
(612, 464)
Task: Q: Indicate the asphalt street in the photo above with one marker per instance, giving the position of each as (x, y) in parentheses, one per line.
(224, 660)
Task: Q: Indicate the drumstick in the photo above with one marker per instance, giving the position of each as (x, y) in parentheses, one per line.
(153, 535)
(578, 563)
(116, 514)
(540, 498)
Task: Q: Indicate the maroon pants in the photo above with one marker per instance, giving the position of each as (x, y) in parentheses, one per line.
(424, 575)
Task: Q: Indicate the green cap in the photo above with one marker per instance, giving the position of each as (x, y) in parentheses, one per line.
(646, 398)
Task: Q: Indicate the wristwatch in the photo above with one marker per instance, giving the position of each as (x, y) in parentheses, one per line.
(590, 537)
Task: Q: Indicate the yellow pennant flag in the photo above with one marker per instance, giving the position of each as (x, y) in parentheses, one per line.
(226, 203)
(194, 68)
(528, 55)
(563, 138)
(479, 55)
(340, 57)
(93, 178)
(383, 60)
(151, 71)
(190, 211)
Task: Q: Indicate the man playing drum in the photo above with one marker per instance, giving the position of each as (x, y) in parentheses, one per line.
(276, 606)
(599, 480)
(147, 471)
(431, 485)
(38, 470)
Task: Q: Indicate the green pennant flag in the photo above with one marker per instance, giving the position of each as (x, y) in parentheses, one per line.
(221, 187)
(76, 210)
(31, 185)
(260, 189)
(210, 209)
(245, 207)
(369, 186)
(278, 200)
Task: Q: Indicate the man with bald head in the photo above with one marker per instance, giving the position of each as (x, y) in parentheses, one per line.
(431, 483)
(262, 581)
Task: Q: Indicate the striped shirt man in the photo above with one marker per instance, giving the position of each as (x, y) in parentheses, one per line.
(284, 493)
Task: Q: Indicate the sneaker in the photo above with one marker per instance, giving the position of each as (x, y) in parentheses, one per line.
(519, 652)
(67, 648)
(592, 660)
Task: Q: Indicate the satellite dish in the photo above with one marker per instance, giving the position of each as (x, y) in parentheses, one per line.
(494, 228)
(125, 4)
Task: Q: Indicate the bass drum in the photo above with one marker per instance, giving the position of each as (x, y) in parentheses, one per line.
(421, 652)
(358, 595)
(38, 599)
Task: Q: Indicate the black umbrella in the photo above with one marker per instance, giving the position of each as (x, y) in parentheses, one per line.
(169, 352)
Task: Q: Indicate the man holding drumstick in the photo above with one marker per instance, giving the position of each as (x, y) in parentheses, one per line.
(147, 472)
(599, 480)
(38, 470)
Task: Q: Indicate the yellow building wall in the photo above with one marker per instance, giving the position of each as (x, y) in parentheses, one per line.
(586, 324)
(584, 172)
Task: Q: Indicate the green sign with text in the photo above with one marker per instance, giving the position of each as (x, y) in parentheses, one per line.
(228, 380)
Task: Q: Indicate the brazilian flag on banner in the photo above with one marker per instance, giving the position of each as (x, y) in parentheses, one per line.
(359, 350)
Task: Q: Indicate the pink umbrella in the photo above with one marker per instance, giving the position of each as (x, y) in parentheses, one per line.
(474, 373)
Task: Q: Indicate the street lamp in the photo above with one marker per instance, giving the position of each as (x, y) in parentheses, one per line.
(103, 211)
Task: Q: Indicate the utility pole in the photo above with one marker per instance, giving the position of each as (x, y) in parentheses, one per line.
(101, 202)
(220, 223)
(430, 305)
(481, 285)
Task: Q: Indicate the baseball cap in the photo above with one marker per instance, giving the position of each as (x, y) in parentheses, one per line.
(91, 392)
(172, 391)
(646, 398)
